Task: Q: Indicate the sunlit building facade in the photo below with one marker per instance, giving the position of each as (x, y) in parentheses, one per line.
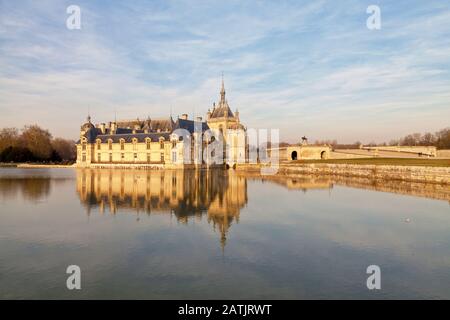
(220, 139)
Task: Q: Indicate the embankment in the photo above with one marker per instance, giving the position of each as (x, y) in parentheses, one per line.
(438, 175)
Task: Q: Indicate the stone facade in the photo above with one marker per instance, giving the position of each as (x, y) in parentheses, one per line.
(307, 152)
(165, 142)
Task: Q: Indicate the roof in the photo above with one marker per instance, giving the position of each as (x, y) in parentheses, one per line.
(162, 125)
(128, 137)
(189, 125)
(223, 109)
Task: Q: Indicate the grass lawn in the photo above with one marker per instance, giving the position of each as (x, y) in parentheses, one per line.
(385, 161)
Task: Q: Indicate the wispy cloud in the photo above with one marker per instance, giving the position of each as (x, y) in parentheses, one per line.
(307, 67)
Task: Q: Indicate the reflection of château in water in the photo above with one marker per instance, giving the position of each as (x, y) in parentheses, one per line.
(184, 193)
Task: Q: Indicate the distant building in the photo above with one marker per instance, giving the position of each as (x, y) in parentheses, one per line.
(165, 142)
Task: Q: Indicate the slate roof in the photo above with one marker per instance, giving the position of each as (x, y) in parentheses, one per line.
(189, 125)
(222, 111)
(128, 137)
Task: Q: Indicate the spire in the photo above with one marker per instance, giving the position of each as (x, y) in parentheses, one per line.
(89, 115)
(222, 92)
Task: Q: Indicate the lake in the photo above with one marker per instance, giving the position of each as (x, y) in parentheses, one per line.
(219, 235)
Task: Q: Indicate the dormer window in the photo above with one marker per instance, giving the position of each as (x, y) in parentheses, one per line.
(122, 144)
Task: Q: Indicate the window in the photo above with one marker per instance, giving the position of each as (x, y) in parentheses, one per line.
(161, 144)
(83, 158)
(162, 157)
(174, 144)
(148, 144)
(99, 157)
(135, 144)
(174, 156)
(99, 145)
(148, 157)
(110, 157)
(110, 144)
(83, 146)
(122, 156)
(135, 156)
(122, 144)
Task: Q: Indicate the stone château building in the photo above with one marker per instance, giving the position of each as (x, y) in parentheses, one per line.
(221, 139)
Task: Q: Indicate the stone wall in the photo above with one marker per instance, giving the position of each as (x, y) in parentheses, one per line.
(440, 175)
(443, 154)
(425, 150)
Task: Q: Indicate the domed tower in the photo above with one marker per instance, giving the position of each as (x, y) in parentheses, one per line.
(88, 134)
(224, 122)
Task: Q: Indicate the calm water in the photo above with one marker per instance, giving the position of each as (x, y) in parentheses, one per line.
(171, 234)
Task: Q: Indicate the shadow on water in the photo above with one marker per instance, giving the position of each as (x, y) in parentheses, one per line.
(33, 189)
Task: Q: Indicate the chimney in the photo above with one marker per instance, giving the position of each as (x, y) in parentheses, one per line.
(103, 128)
(184, 116)
(113, 127)
(199, 119)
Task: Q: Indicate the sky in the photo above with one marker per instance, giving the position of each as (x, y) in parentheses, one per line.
(304, 67)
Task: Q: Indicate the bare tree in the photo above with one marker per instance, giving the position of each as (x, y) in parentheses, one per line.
(38, 141)
(9, 137)
(65, 148)
(443, 139)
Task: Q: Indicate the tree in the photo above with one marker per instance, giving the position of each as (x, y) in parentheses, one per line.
(65, 149)
(38, 141)
(428, 139)
(9, 137)
(16, 154)
(443, 139)
(394, 142)
(409, 140)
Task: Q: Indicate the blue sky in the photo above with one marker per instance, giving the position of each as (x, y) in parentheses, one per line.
(306, 67)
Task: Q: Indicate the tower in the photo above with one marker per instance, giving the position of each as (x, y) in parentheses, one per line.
(222, 120)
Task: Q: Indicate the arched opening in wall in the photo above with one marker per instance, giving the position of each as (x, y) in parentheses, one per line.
(323, 155)
(294, 155)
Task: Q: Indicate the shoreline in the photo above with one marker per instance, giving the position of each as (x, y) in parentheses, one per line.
(35, 165)
(409, 173)
(422, 174)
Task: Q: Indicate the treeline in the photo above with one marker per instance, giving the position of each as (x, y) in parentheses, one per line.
(34, 144)
(440, 139)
